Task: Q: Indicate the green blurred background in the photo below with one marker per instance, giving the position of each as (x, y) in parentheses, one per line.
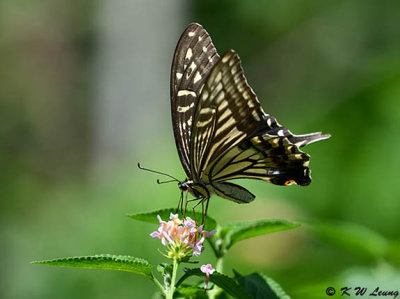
(84, 95)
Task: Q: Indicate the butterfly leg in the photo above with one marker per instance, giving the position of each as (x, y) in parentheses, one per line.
(202, 200)
(186, 203)
(205, 214)
(180, 203)
(195, 206)
(202, 212)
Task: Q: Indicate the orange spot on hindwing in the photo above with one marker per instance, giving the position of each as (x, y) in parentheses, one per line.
(290, 182)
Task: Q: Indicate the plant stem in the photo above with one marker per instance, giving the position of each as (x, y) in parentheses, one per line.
(220, 265)
(216, 252)
(158, 284)
(216, 290)
(171, 290)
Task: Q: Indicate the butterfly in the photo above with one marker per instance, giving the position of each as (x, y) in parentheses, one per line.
(221, 131)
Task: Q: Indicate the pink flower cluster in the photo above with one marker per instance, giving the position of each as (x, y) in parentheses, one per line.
(182, 237)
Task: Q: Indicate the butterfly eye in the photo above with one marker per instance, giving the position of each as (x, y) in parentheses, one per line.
(290, 182)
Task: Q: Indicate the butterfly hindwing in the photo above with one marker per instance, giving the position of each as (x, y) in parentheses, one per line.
(265, 157)
(194, 58)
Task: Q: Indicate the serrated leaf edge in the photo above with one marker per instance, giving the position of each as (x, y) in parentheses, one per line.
(106, 257)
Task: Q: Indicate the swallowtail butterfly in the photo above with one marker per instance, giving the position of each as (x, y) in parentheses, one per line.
(221, 131)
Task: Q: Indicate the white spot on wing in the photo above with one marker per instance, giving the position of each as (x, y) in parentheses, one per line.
(269, 122)
(191, 68)
(179, 75)
(186, 93)
(191, 33)
(197, 77)
(204, 49)
(280, 133)
(189, 53)
(185, 108)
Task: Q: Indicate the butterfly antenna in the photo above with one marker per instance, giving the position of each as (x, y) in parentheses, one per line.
(154, 171)
(165, 182)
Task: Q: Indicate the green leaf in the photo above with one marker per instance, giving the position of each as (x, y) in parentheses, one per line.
(393, 253)
(190, 292)
(354, 238)
(260, 286)
(235, 232)
(224, 282)
(165, 269)
(151, 217)
(166, 272)
(104, 262)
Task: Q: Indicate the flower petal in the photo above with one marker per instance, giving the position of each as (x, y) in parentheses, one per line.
(207, 269)
(155, 235)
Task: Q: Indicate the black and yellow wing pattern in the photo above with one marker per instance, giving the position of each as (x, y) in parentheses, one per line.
(195, 56)
(221, 130)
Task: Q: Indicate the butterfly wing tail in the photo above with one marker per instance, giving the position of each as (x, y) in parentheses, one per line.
(303, 140)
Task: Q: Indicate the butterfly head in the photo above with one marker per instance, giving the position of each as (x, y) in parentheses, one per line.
(183, 186)
(198, 190)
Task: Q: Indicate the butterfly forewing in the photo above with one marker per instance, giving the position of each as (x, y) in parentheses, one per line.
(228, 111)
(194, 58)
